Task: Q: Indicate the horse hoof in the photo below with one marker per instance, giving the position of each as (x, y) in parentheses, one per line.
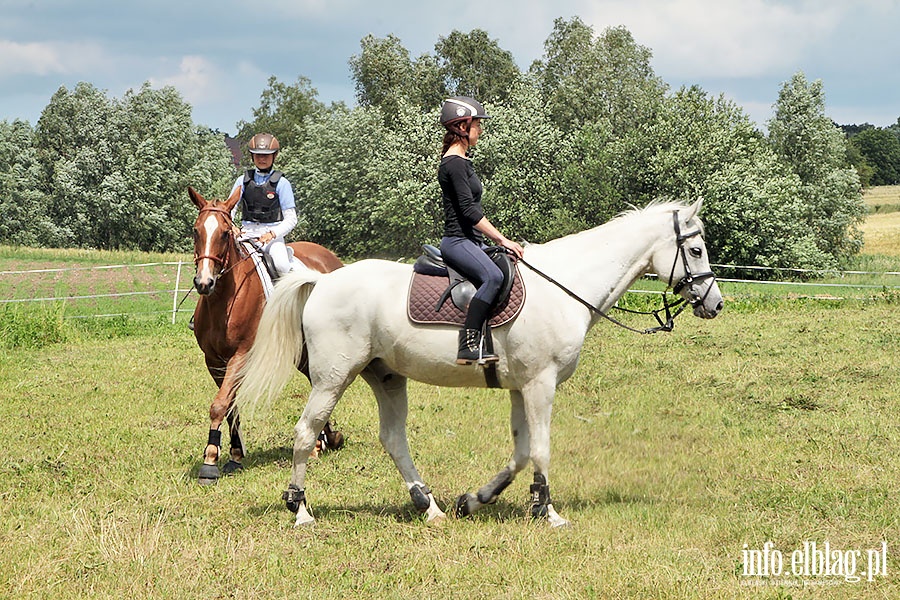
(232, 467)
(466, 505)
(335, 440)
(436, 519)
(208, 475)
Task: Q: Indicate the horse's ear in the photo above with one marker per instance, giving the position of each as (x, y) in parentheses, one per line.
(233, 199)
(198, 200)
(694, 208)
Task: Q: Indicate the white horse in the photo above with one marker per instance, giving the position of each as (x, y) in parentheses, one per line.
(354, 322)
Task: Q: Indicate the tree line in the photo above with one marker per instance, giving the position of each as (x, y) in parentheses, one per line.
(585, 132)
(875, 152)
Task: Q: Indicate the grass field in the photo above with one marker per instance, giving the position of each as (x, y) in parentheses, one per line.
(677, 457)
(882, 226)
(673, 454)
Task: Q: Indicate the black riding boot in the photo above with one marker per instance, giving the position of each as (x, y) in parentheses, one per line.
(470, 336)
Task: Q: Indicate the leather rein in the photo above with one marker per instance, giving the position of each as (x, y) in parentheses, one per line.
(218, 259)
(678, 306)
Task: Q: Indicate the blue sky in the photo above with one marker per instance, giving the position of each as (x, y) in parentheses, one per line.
(220, 53)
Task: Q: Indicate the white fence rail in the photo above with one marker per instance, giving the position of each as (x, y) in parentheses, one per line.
(179, 292)
(182, 300)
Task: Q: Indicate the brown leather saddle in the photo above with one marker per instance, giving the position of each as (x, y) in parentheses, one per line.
(440, 295)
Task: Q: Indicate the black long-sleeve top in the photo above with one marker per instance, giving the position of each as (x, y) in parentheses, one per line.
(461, 191)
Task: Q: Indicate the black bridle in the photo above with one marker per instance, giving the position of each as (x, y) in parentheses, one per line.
(687, 280)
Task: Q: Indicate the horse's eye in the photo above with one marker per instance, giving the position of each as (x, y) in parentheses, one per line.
(696, 252)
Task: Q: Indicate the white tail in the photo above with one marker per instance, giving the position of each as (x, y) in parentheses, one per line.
(276, 352)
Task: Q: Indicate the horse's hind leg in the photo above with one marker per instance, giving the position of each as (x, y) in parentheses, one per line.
(321, 403)
(488, 494)
(393, 409)
(237, 444)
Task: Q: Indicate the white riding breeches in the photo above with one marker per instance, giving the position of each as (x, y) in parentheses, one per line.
(281, 255)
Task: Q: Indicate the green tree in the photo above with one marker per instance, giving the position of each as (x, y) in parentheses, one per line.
(707, 146)
(521, 159)
(115, 172)
(608, 78)
(383, 72)
(475, 65)
(880, 149)
(281, 111)
(76, 150)
(22, 203)
(159, 149)
(376, 202)
(858, 161)
(815, 149)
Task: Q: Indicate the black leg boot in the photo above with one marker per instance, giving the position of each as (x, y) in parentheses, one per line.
(470, 337)
(469, 346)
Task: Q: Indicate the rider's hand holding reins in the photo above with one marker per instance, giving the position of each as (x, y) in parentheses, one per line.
(485, 227)
(513, 247)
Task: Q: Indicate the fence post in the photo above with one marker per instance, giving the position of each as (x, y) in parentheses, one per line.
(175, 297)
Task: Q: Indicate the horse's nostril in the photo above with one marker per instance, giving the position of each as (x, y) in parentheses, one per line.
(720, 306)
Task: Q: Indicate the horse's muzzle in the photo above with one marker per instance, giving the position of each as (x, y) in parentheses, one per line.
(710, 304)
(708, 313)
(204, 285)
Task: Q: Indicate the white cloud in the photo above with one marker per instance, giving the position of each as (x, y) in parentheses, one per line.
(48, 58)
(725, 38)
(197, 79)
(311, 8)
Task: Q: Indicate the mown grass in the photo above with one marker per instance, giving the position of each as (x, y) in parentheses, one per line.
(670, 453)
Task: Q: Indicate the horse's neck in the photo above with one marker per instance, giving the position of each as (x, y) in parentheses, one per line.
(238, 278)
(600, 264)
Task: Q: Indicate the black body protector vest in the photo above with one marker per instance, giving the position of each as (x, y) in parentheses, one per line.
(259, 203)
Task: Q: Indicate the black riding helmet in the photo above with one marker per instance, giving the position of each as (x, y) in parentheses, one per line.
(461, 109)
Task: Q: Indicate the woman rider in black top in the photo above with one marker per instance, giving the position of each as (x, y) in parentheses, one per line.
(465, 225)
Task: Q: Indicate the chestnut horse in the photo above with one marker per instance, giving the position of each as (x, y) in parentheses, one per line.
(227, 315)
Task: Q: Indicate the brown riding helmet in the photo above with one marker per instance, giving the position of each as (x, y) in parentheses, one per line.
(264, 143)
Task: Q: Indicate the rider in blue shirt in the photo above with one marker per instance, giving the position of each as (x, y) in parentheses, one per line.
(267, 205)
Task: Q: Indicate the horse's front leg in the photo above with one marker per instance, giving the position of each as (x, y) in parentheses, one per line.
(393, 409)
(209, 470)
(538, 396)
(488, 494)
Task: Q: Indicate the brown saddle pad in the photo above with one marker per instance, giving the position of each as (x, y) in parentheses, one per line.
(426, 290)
